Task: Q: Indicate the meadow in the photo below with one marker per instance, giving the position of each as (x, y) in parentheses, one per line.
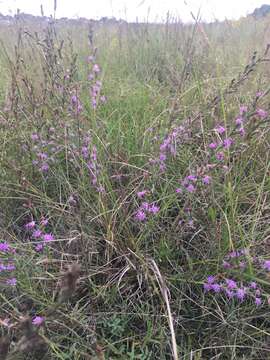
(134, 190)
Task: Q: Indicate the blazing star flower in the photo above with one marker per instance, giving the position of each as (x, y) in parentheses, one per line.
(213, 145)
(239, 121)
(262, 113)
(37, 234)
(74, 99)
(42, 156)
(266, 265)
(259, 94)
(258, 301)
(242, 131)
(145, 206)
(48, 237)
(103, 99)
(141, 194)
(243, 109)
(220, 129)
(30, 225)
(231, 284)
(240, 294)
(140, 215)
(207, 287)
(85, 152)
(229, 293)
(96, 68)
(4, 247)
(44, 167)
(10, 267)
(253, 285)
(227, 143)
(179, 190)
(34, 137)
(192, 178)
(211, 279)
(11, 282)
(216, 288)
(206, 179)
(162, 157)
(39, 247)
(220, 156)
(38, 320)
(154, 209)
(191, 188)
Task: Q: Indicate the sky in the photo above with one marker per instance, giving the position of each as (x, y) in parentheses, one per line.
(131, 10)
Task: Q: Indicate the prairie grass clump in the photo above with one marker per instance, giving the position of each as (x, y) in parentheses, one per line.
(134, 177)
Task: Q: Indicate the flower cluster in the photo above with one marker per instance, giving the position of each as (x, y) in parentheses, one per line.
(190, 181)
(169, 146)
(7, 263)
(95, 83)
(76, 104)
(234, 290)
(44, 150)
(145, 208)
(38, 232)
(89, 154)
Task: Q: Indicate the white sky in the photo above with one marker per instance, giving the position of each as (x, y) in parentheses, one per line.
(132, 9)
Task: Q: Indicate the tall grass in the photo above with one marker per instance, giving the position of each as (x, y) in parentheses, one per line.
(134, 165)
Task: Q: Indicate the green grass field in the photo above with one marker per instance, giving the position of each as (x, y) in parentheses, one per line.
(134, 190)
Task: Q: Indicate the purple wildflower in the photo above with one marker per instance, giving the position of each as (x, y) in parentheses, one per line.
(239, 121)
(227, 143)
(192, 178)
(207, 287)
(4, 247)
(243, 109)
(229, 293)
(11, 282)
(145, 205)
(231, 284)
(96, 68)
(37, 234)
(242, 131)
(141, 194)
(48, 237)
(39, 247)
(191, 188)
(211, 279)
(38, 320)
(154, 209)
(240, 294)
(42, 156)
(206, 179)
(44, 167)
(266, 265)
(213, 145)
(179, 190)
(34, 137)
(262, 113)
(220, 129)
(220, 156)
(216, 287)
(30, 225)
(253, 285)
(258, 301)
(140, 215)
(162, 157)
